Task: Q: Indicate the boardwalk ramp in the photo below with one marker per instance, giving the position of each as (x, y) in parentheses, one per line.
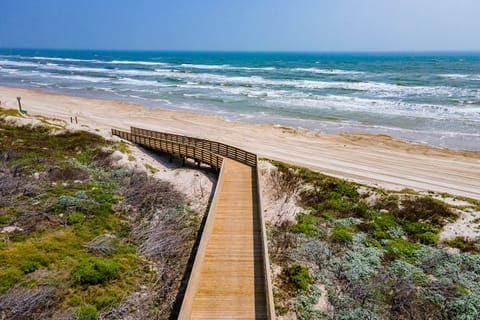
(230, 278)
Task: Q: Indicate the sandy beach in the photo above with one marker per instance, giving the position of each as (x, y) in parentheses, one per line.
(376, 160)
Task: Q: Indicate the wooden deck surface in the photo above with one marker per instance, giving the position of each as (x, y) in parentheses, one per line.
(231, 281)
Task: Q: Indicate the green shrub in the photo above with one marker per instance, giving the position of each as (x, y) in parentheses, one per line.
(370, 242)
(75, 300)
(328, 215)
(103, 302)
(388, 202)
(67, 201)
(81, 194)
(306, 224)
(400, 248)
(385, 222)
(95, 271)
(86, 156)
(341, 234)
(75, 218)
(299, 276)
(123, 147)
(428, 238)
(74, 141)
(29, 266)
(463, 308)
(4, 219)
(409, 272)
(9, 278)
(416, 229)
(426, 209)
(463, 244)
(382, 226)
(87, 312)
(346, 189)
(362, 210)
(339, 205)
(10, 112)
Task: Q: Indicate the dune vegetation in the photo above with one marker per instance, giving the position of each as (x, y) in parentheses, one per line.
(366, 253)
(81, 237)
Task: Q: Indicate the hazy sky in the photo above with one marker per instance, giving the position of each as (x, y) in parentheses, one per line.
(252, 25)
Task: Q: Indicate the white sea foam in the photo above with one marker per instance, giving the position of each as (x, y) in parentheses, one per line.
(225, 67)
(17, 63)
(138, 82)
(461, 76)
(204, 66)
(295, 100)
(377, 106)
(454, 75)
(378, 89)
(193, 95)
(145, 63)
(52, 66)
(253, 68)
(62, 59)
(70, 68)
(131, 72)
(134, 62)
(327, 71)
(8, 70)
(17, 72)
(80, 78)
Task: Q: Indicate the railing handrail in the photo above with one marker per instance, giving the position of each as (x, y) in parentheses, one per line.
(266, 259)
(219, 148)
(194, 280)
(172, 147)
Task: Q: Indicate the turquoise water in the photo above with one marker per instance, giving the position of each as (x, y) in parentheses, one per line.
(425, 98)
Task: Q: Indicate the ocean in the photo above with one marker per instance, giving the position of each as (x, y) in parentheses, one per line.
(430, 98)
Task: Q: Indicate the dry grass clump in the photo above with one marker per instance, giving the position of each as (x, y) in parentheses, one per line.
(23, 303)
(165, 231)
(67, 174)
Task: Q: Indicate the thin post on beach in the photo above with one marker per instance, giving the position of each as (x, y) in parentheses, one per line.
(19, 104)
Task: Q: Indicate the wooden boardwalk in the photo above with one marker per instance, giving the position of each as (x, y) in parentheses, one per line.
(228, 280)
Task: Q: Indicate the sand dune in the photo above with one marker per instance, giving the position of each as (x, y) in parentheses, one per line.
(372, 159)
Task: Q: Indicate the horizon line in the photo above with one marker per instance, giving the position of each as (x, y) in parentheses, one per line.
(245, 51)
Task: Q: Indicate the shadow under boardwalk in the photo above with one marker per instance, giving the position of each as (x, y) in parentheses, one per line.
(231, 280)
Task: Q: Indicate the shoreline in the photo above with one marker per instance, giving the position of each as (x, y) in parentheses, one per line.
(329, 127)
(377, 160)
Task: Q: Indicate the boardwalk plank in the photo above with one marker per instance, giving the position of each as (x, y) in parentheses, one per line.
(232, 280)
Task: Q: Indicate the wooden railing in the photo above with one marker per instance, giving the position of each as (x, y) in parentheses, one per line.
(218, 148)
(194, 280)
(174, 148)
(266, 258)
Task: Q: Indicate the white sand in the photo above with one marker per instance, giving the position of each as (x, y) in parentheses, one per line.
(196, 185)
(371, 159)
